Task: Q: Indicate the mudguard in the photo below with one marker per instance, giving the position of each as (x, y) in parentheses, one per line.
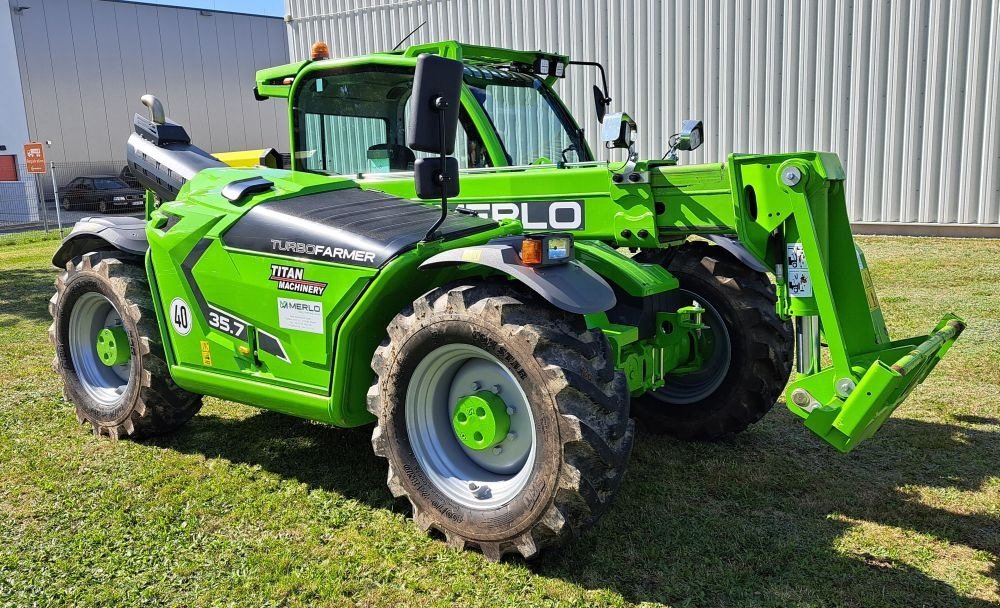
(572, 286)
(733, 246)
(127, 234)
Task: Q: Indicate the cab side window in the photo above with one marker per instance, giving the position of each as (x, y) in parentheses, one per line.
(344, 142)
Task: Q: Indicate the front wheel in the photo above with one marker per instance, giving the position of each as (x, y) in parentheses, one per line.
(747, 356)
(504, 421)
(108, 350)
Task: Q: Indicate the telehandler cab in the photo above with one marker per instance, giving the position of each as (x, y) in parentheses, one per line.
(507, 334)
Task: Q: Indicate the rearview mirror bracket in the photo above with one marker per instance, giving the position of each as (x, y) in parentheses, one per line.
(437, 85)
(618, 131)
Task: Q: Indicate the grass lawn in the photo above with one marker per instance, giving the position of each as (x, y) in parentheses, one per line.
(248, 508)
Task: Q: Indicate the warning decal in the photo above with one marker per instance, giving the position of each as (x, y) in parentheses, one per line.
(799, 281)
(206, 354)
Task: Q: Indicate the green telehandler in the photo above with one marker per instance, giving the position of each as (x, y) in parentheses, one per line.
(477, 307)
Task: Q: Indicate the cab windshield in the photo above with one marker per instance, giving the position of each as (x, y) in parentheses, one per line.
(531, 123)
(354, 121)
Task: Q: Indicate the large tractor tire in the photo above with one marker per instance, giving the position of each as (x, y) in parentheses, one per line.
(748, 362)
(108, 350)
(504, 421)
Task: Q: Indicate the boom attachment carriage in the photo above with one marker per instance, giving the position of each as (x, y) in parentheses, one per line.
(791, 213)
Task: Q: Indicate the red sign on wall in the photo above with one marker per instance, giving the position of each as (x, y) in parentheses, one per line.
(34, 157)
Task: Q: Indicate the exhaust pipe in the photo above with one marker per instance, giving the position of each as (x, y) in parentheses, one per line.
(160, 154)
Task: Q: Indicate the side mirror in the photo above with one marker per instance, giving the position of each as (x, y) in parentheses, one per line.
(437, 85)
(435, 177)
(691, 135)
(601, 103)
(618, 130)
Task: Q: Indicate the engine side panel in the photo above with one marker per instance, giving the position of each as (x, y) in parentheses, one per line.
(357, 227)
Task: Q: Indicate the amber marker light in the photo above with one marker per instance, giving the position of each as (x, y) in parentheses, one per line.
(319, 51)
(531, 252)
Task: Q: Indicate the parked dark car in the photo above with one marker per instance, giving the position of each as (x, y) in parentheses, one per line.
(101, 192)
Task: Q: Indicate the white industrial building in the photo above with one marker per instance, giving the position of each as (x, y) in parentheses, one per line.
(73, 72)
(907, 93)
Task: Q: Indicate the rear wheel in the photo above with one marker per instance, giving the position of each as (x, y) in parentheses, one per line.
(108, 350)
(503, 420)
(748, 351)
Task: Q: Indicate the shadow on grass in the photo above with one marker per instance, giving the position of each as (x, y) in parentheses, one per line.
(318, 455)
(755, 520)
(24, 294)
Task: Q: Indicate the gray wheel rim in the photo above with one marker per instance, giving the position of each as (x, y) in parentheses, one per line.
(91, 313)
(475, 479)
(694, 387)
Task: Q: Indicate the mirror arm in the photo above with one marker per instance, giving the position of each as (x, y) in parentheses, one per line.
(604, 77)
(441, 104)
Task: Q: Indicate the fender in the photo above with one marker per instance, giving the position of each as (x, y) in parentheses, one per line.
(741, 253)
(572, 286)
(126, 234)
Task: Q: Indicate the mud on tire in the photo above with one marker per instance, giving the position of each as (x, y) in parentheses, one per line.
(760, 348)
(582, 432)
(147, 402)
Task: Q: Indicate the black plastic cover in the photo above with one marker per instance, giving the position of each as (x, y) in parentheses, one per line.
(168, 132)
(352, 226)
(126, 234)
(236, 191)
(572, 286)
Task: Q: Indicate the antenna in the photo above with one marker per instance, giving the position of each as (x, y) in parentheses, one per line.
(407, 37)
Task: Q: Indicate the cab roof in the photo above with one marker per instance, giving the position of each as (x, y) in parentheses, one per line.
(277, 81)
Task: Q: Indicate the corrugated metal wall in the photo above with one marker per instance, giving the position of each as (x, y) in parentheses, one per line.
(907, 92)
(85, 63)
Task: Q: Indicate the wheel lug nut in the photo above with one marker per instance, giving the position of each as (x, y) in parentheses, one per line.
(473, 486)
(497, 388)
(511, 436)
(476, 386)
(510, 410)
(498, 450)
